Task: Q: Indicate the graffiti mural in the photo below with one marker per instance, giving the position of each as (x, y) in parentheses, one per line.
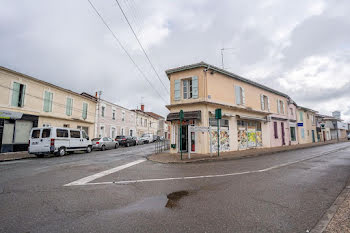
(224, 139)
(249, 138)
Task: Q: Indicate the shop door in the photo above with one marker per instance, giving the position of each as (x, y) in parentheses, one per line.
(313, 135)
(184, 138)
(283, 140)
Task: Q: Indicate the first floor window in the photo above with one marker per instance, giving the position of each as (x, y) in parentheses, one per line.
(18, 93)
(48, 101)
(85, 110)
(187, 88)
(69, 106)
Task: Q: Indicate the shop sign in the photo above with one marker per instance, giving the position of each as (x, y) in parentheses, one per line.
(300, 124)
(10, 115)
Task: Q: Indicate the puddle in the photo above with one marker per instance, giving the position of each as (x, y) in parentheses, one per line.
(174, 197)
(148, 204)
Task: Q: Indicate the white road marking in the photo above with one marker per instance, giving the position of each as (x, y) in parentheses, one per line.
(213, 176)
(87, 179)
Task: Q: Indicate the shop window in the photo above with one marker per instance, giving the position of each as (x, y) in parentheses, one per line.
(22, 131)
(18, 93)
(46, 133)
(62, 133)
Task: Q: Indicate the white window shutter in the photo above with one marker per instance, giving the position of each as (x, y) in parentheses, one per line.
(243, 96)
(262, 102)
(177, 90)
(278, 106)
(268, 103)
(194, 87)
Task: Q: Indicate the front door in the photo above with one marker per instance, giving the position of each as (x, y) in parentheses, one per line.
(184, 138)
(313, 135)
(282, 128)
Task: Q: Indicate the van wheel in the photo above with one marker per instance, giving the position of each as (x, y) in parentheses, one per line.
(103, 148)
(127, 144)
(88, 149)
(61, 151)
(39, 155)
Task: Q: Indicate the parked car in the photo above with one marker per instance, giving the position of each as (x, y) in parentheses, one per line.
(139, 141)
(58, 141)
(126, 141)
(148, 138)
(104, 143)
(349, 136)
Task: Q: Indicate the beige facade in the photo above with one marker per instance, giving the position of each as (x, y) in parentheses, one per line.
(145, 123)
(307, 132)
(245, 106)
(27, 95)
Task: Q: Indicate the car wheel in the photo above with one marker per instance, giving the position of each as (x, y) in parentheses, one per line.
(103, 147)
(116, 146)
(88, 149)
(61, 151)
(127, 144)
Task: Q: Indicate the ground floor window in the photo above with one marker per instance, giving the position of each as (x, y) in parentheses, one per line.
(224, 134)
(292, 134)
(86, 129)
(249, 134)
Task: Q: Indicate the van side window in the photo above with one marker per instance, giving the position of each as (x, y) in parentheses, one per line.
(74, 134)
(36, 133)
(62, 133)
(46, 133)
(84, 134)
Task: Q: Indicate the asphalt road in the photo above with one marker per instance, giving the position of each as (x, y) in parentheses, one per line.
(283, 192)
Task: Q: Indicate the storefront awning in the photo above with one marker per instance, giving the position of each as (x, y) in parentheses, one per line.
(252, 118)
(191, 115)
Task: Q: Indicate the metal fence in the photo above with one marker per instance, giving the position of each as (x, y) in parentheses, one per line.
(161, 146)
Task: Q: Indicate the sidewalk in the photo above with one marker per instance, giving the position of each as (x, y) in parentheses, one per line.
(176, 158)
(337, 217)
(15, 156)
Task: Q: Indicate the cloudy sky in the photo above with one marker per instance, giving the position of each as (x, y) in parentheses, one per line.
(299, 47)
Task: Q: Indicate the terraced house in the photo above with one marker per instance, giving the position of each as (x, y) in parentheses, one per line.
(307, 125)
(28, 102)
(253, 115)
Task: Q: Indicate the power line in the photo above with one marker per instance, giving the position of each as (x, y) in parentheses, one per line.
(124, 49)
(126, 18)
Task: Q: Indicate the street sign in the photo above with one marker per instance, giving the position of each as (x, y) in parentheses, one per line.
(300, 124)
(218, 113)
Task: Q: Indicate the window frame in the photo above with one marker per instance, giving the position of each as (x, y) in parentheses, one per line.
(23, 100)
(189, 88)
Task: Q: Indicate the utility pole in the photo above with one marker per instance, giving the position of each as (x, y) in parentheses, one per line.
(222, 56)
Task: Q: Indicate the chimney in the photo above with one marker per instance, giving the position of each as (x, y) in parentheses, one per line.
(142, 107)
(96, 94)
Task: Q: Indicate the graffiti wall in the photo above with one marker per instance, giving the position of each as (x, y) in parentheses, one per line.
(249, 138)
(224, 139)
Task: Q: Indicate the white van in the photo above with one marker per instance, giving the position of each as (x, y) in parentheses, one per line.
(56, 140)
(148, 138)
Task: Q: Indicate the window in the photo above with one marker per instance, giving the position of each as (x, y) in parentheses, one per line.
(102, 131)
(145, 122)
(187, 88)
(123, 116)
(36, 133)
(291, 112)
(113, 132)
(265, 105)
(46, 133)
(122, 131)
(131, 132)
(69, 106)
(141, 121)
(86, 129)
(113, 114)
(280, 106)
(292, 134)
(313, 119)
(62, 133)
(307, 116)
(302, 133)
(66, 125)
(239, 93)
(75, 134)
(18, 93)
(48, 101)
(275, 129)
(85, 110)
(103, 111)
(301, 116)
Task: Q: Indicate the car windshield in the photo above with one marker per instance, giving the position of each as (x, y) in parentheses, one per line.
(96, 139)
(120, 137)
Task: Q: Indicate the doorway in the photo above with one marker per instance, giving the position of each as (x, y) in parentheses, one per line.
(184, 138)
(282, 128)
(313, 135)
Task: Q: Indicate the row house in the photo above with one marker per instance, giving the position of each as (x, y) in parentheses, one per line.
(307, 125)
(113, 120)
(331, 127)
(28, 102)
(253, 115)
(146, 122)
